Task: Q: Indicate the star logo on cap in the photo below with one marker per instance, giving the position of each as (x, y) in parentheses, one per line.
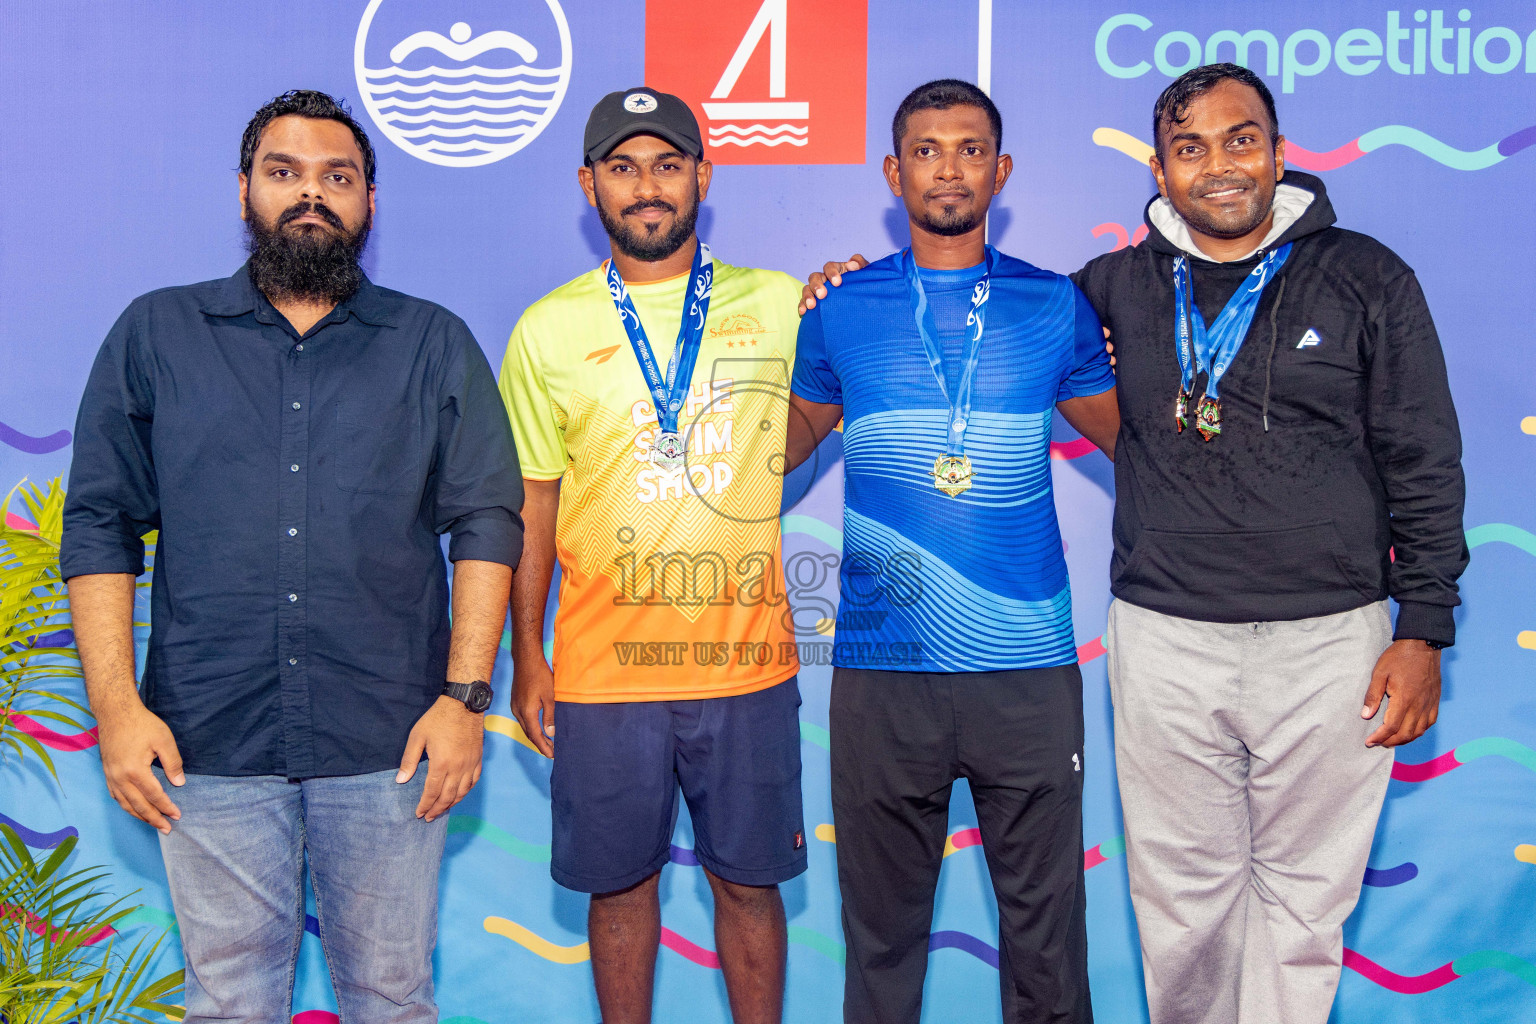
(639, 103)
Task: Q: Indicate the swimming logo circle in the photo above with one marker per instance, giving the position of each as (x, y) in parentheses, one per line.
(473, 96)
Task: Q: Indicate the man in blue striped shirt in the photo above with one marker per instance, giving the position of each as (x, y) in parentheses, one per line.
(954, 654)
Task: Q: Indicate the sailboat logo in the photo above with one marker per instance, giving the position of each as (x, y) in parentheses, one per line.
(771, 81)
(473, 95)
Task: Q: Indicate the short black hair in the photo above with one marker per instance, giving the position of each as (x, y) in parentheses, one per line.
(304, 103)
(942, 94)
(1172, 106)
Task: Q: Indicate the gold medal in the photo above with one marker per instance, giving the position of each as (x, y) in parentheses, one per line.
(1208, 417)
(1181, 410)
(953, 474)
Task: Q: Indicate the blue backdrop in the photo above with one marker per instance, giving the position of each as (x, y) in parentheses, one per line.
(119, 161)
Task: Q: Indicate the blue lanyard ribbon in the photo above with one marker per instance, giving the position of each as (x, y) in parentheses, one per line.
(975, 323)
(1213, 349)
(668, 393)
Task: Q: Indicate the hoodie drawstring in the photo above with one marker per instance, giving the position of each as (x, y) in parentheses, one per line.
(1269, 366)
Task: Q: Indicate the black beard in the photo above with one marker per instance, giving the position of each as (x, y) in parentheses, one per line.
(309, 264)
(948, 224)
(651, 246)
(1197, 218)
(951, 221)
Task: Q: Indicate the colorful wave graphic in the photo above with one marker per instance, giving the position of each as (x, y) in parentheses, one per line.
(1387, 877)
(33, 445)
(1105, 851)
(39, 840)
(1092, 649)
(689, 950)
(15, 522)
(536, 943)
(1465, 754)
(1376, 138)
(468, 824)
(509, 727)
(966, 943)
(1502, 533)
(38, 926)
(962, 840)
(1417, 984)
(812, 527)
(149, 917)
(1072, 449)
(1109, 849)
(966, 838)
(683, 947)
(48, 738)
(815, 735)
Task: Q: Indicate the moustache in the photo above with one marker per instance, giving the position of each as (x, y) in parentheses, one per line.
(1205, 188)
(648, 204)
(299, 209)
(950, 194)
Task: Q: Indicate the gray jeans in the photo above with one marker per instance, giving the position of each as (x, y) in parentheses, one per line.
(1250, 801)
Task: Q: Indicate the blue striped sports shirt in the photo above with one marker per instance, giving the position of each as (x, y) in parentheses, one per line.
(929, 582)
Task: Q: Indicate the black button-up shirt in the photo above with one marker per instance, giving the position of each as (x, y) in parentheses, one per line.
(299, 611)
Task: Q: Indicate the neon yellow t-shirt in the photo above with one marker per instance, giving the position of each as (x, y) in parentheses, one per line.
(672, 584)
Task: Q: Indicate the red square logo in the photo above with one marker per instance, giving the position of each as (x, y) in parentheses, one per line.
(771, 81)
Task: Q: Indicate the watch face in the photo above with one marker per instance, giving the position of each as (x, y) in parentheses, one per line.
(479, 697)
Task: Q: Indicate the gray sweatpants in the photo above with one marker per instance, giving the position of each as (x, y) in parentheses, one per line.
(1250, 801)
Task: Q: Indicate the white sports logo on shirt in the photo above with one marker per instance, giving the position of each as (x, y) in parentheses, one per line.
(1309, 339)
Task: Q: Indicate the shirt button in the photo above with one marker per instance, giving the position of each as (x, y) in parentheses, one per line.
(292, 598)
(299, 347)
(292, 532)
(293, 661)
(293, 468)
(296, 405)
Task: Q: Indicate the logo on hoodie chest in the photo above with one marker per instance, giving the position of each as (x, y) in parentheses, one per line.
(1310, 339)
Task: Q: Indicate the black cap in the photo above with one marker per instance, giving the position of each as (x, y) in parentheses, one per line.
(640, 111)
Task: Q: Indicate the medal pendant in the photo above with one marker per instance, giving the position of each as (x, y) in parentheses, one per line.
(1181, 410)
(953, 474)
(668, 452)
(1208, 417)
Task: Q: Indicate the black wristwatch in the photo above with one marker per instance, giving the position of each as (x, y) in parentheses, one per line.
(1436, 645)
(476, 695)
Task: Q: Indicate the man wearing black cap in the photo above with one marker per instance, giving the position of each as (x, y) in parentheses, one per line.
(654, 474)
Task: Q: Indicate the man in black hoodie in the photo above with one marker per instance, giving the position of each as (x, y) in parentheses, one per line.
(1262, 519)
(1288, 458)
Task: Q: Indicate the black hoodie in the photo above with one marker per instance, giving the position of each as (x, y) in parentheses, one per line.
(1336, 480)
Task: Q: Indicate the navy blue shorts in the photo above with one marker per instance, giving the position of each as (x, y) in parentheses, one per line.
(618, 769)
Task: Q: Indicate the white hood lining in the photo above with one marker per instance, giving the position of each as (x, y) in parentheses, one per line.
(1290, 203)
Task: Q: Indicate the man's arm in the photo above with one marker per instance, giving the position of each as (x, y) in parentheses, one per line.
(449, 733)
(1096, 417)
(130, 735)
(533, 682)
(809, 424)
(479, 490)
(113, 501)
(1415, 441)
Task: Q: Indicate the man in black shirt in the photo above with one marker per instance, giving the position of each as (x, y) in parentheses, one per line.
(300, 438)
(1289, 458)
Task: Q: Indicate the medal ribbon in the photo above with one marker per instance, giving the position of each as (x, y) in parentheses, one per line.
(975, 322)
(1213, 349)
(670, 392)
